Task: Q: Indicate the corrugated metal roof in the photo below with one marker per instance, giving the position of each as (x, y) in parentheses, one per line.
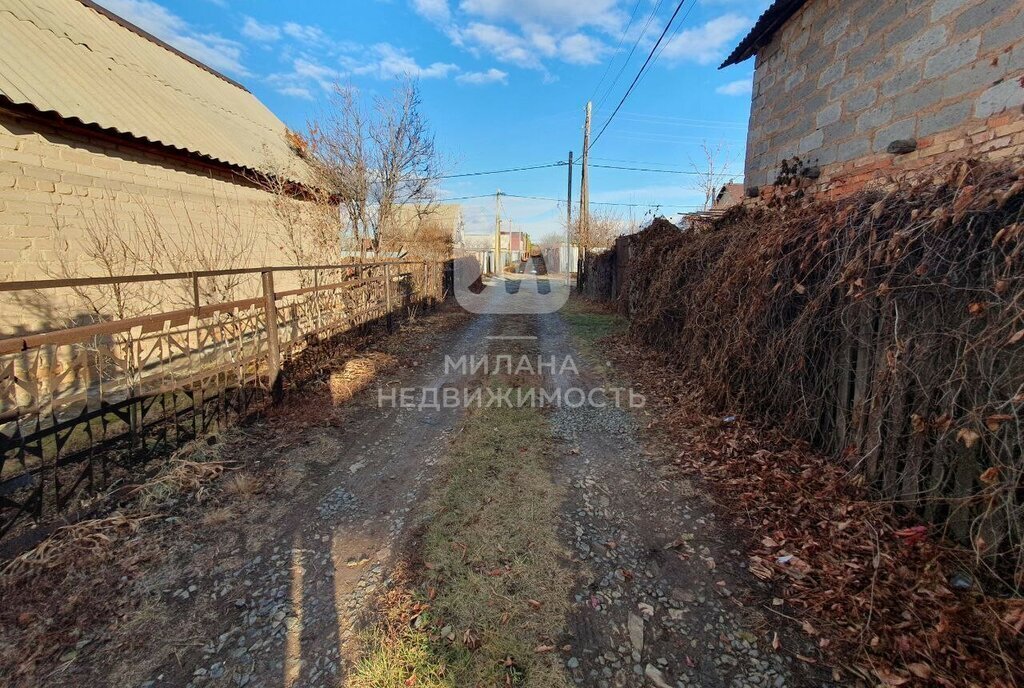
(770, 22)
(65, 57)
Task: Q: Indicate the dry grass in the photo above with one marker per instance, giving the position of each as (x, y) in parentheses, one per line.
(356, 374)
(241, 486)
(493, 588)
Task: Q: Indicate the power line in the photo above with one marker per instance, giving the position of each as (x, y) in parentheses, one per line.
(626, 205)
(611, 60)
(675, 33)
(683, 120)
(636, 43)
(562, 200)
(651, 169)
(511, 169)
(640, 73)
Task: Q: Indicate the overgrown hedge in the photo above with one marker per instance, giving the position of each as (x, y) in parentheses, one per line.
(887, 327)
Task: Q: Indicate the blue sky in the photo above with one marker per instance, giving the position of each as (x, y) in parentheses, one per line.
(504, 82)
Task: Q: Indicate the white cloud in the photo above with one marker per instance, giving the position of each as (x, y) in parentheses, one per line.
(501, 43)
(305, 75)
(581, 49)
(296, 92)
(706, 44)
(211, 49)
(550, 14)
(260, 32)
(304, 32)
(526, 33)
(743, 87)
(389, 62)
(491, 76)
(433, 10)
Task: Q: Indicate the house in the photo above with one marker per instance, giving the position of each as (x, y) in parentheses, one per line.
(729, 195)
(105, 128)
(857, 89)
(428, 231)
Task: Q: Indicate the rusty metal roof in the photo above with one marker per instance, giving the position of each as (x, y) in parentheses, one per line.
(771, 21)
(83, 63)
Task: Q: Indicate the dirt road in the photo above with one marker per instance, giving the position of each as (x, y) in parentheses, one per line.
(272, 584)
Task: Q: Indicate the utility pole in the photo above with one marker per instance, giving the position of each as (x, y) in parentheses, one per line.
(584, 233)
(568, 227)
(497, 232)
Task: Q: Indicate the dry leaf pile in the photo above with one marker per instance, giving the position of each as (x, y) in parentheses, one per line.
(885, 332)
(886, 328)
(879, 592)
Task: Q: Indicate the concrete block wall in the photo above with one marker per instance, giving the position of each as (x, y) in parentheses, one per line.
(56, 183)
(59, 185)
(844, 79)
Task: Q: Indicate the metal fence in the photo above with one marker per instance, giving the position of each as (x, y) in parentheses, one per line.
(82, 407)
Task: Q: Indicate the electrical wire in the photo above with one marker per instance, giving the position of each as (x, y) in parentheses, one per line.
(611, 60)
(511, 169)
(645, 169)
(639, 74)
(636, 43)
(675, 32)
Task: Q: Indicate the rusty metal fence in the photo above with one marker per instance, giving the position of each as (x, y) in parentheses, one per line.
(82, 407)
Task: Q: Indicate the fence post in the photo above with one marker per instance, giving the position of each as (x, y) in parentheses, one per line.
(273, 337)
(195, 293)
(426, 285)
(387, 295)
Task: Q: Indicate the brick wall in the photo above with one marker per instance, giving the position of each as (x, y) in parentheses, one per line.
(845, 78)
(55, 183)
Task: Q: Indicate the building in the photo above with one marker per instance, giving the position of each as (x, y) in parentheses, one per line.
(729, 195)
(856, 89)
(106, 129)
(433, 231)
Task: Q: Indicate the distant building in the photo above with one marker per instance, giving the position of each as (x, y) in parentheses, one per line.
(858, 88)
(435, 230)
(104, 127)
(729, 195)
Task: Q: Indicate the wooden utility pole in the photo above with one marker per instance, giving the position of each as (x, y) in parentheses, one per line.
(584, 233)
(497, 232)
(568, 227)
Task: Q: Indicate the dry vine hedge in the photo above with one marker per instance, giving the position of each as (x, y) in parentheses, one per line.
(886, 327)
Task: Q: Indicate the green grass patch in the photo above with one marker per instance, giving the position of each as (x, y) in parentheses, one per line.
(490, 597)
(589, 323)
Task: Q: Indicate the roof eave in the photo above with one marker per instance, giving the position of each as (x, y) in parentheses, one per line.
(773, 19)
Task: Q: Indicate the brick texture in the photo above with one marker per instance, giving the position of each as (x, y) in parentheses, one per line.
(59, 185)
(55, 184)
(944, 72)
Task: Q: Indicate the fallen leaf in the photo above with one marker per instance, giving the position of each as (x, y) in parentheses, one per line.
(968, 437)
(920, 669)
(890, 678)
(996, 420)
(543, 649)
(990, 476)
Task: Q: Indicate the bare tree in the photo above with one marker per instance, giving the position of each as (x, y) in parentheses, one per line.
(553, 240)
(305, 218)
(600, 232)
(376, 162)
(712, 172)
